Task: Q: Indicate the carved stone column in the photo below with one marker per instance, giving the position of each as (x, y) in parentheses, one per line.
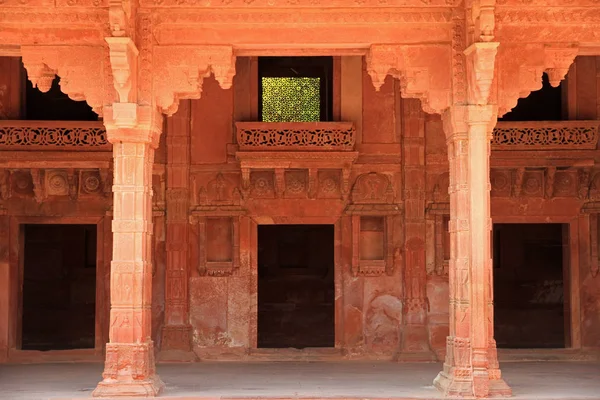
(471, 366)
(414, 341)
(177, 332)
(129, 368)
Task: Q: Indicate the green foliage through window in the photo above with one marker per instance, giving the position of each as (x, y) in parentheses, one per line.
(291, 99)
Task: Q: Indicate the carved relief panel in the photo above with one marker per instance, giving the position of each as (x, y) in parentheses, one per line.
(372, 210)
(42, 184)
(216, 210)
(218, 244)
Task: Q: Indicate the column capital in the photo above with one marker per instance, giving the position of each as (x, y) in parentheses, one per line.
(458, 118)
(132, 123)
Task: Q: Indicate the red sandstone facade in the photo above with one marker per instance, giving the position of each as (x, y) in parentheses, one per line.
(175, 159)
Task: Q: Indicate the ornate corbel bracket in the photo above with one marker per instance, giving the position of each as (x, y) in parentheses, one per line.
(418, 69)
(80, 68)
(481, 59)
(123, 61)
(181, 69)
(37, 177)
(550, 174)
(518, 184)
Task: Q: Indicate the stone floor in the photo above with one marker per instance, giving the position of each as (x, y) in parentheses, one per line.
(286, 380)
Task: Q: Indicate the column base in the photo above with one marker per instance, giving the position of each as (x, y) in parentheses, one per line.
(150, 387)
(177, 344)
(129, 370)
(452, 385)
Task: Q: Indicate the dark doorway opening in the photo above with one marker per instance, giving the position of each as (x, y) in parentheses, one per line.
(296, 286)
(531, 307)
(59, 287)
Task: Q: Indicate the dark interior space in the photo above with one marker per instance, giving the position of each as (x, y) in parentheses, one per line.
(59, 287)
(295, 286)
(529, 285)
(542, 105)
(54, 105)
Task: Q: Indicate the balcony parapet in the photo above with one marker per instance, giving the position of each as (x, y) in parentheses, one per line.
(53, 136)
(295, 136)
(546, 135)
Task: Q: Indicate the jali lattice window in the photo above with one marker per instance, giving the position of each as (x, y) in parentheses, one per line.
(295, 89)
(291, 99)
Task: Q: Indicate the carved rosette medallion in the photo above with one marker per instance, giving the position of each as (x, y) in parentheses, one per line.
(21, 183)
(295, 184)
(262, 185)
(532, 184)
(500, 182)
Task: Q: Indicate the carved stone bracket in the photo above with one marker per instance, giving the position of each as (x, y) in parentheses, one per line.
(81, 70)
(480, 71)
(123, 61)
(520, 68)
(422, 71)
(181, 69)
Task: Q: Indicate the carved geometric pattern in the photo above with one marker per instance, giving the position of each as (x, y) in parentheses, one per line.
(536, 136)
(295, 136)
(65, 136)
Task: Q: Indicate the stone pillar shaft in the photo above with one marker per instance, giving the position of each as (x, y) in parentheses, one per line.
(129, 368)
(471, 367)
(177, 332)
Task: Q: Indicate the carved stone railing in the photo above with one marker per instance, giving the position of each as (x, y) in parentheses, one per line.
(295, 136)
(53, 136)
(546, 135)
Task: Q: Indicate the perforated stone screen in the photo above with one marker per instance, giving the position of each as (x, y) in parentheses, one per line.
(291, 99)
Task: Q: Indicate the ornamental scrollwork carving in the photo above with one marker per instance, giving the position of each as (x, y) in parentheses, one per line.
(419, 70)
(42, 135)
(563, 135)
(295, 136)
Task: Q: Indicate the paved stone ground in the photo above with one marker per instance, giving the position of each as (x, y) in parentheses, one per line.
(529, 380)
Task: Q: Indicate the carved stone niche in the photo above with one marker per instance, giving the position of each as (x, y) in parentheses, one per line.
(218, 244)
(372, 211)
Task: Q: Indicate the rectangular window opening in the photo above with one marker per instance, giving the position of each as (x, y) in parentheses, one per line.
(295, 89)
